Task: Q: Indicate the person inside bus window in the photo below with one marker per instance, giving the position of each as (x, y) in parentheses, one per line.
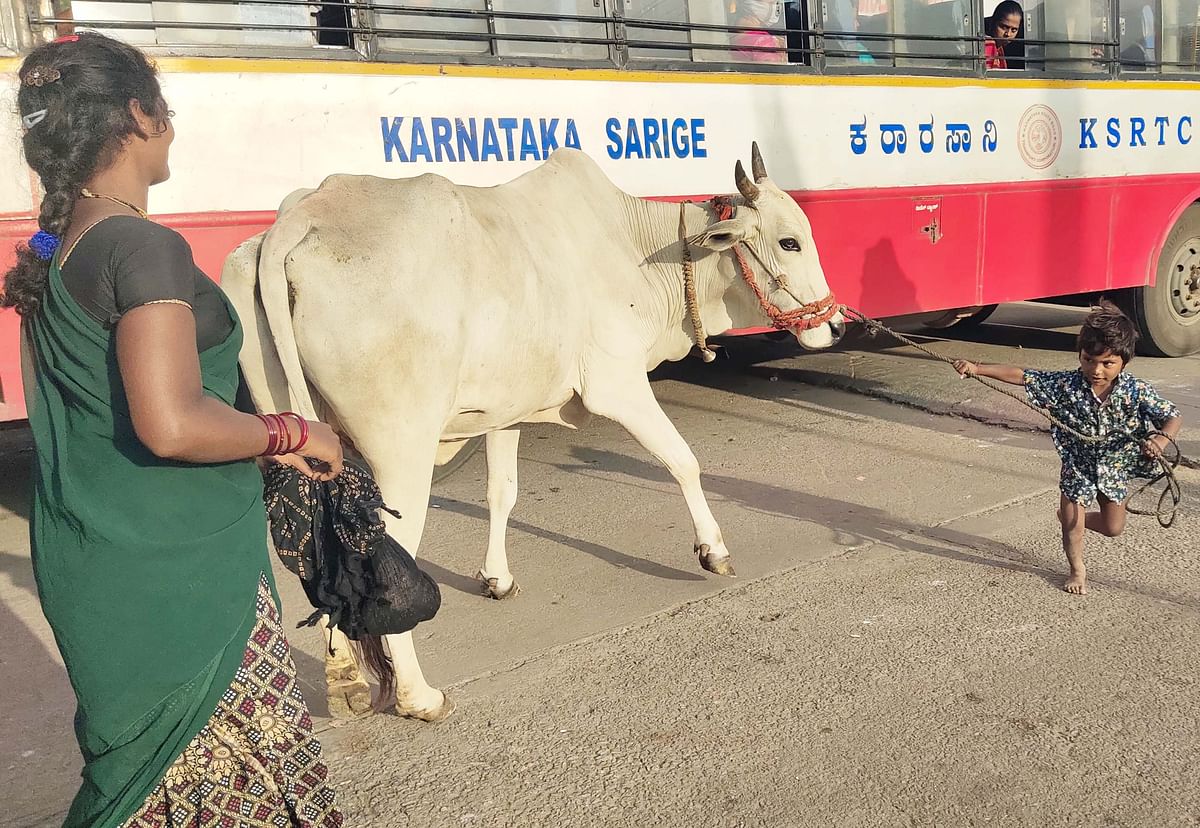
(752, 46)
(1002, 28)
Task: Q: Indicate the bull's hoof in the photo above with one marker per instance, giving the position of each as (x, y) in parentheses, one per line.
(438, 714)
(717, 566)
(490, 588)
(349, 700)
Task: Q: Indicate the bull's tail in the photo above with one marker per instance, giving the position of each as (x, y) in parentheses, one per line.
(283, 237)
(280, 240)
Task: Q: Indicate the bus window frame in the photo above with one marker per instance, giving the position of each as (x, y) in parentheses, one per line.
(21, 21)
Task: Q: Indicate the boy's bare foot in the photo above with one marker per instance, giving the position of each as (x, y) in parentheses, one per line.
(1077, 583)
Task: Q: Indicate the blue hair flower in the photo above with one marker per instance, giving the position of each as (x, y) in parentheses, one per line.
(44, 244)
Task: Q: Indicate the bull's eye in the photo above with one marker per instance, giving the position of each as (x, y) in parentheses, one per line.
(790, 245)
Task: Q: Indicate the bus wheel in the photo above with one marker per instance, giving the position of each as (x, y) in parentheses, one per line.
(459, 460)
(1168, 314)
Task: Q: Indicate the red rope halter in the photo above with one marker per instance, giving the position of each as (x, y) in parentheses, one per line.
(804, 318)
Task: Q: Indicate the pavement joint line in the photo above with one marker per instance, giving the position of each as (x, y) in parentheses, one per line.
(899, 398)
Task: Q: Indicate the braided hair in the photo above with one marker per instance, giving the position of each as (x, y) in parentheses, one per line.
(74, 99)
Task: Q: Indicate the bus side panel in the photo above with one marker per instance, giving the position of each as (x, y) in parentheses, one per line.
(889, 254)
(212, 236)
(12, 398)
(1144, 212)
(1046, 241)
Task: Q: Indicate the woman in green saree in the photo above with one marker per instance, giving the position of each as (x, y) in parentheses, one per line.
(147, 529)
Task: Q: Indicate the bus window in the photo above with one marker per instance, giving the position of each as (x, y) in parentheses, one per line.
(166, 23)
(441, 28)
(707, 31)
(755, 40)
(949, 21)
(1073, 35)
(1138, 35)
(907, 33)
(562, 37)
(549, 31)
(676, 43)
(1181, 35)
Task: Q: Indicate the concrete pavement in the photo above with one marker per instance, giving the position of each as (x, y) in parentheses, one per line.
(625, 685)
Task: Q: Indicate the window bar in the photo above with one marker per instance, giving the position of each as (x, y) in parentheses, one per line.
(493, 43)
(620, 35)
(366, 41)
(818, 55)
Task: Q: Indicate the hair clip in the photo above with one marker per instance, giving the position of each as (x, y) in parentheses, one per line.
(69, 38)
(33, 118)
(44, 244)
(39, 75)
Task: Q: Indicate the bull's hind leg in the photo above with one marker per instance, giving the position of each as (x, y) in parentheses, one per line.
(498, 581)
(625, 396)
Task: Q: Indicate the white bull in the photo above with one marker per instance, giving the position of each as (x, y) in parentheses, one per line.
(418, 313)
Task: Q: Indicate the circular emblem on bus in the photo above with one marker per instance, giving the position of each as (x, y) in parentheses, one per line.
(1039, 136)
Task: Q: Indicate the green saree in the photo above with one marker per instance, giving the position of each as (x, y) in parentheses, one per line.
(147, 569)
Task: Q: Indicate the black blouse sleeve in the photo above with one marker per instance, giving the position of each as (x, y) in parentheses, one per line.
(154, 266)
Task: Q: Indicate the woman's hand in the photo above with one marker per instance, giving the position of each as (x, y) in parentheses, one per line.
(965, 368)
(323, 446)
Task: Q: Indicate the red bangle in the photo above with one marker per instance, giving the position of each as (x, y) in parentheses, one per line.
(285, 436)
(272, 435)
(303, 423)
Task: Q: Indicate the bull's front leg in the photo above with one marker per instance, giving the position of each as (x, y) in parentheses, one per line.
(627, 398)
(498, 581)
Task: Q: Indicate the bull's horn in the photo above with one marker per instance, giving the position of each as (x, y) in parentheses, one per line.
(745, 186)
(757, 167)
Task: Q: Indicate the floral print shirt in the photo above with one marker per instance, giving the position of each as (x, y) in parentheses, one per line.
(1133, 408)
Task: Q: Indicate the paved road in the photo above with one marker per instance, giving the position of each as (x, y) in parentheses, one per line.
(895, 651)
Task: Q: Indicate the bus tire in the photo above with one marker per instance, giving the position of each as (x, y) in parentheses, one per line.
(459, 460)
(1168, 313)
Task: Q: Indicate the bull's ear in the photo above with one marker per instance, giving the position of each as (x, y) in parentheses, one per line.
(723, 235)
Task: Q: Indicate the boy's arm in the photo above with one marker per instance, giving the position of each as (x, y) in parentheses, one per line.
(1004, 373)
(1162, 413)
(1171, 427)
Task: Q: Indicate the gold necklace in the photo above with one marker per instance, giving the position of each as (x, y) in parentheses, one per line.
(86, 193)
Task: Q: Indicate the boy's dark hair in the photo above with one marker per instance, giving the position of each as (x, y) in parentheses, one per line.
(74, 97)
(1107, 329)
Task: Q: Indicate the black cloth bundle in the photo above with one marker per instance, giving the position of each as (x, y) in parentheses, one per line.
(332, 536)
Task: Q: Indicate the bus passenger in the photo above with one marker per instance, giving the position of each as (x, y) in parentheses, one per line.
(1098, 398)
(1002, 29)
(148, 530)
(753, 46)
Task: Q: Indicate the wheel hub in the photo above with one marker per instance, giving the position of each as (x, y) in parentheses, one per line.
(1185, 281)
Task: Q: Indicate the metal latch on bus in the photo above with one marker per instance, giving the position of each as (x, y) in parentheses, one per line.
(932, 230)
(926, 212)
